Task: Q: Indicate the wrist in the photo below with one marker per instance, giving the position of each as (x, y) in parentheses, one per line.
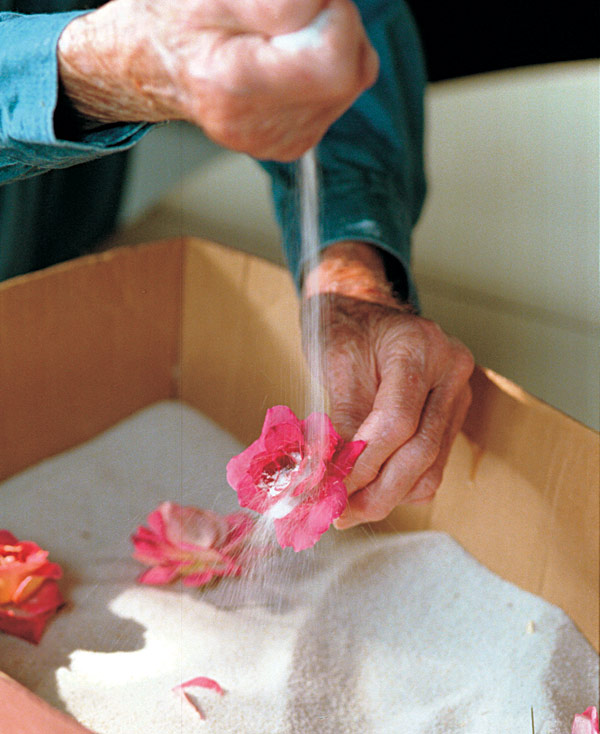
(78, 73)
(352, 269)
(97, 60)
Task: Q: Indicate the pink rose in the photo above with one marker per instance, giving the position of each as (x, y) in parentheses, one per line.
(29, 594)
(197, 545)
(293, 474)
(586, 723)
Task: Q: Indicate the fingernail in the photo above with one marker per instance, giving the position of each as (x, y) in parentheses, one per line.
(343, 523)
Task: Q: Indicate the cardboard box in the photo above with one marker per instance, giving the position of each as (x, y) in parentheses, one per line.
(87, 343)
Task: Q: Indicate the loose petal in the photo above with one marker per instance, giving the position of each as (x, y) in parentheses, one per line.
(193, 703)
(201, 682)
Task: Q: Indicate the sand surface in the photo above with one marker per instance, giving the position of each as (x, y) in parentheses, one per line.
(361, 634)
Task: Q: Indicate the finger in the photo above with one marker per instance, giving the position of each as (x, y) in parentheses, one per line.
(400, 412)
(425, 452)
(427, 485)
(393, 420)
(333, 61)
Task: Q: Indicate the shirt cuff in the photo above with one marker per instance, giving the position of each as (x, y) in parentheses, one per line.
(367, 208)
(28, 99)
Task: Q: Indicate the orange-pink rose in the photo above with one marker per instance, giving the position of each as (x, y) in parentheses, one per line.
(29, 593)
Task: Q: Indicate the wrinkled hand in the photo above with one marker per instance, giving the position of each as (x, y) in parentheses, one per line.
(394, 379)
(214, 63)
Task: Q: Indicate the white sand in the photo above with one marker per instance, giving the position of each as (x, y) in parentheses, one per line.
(400, 635)
(311, 36)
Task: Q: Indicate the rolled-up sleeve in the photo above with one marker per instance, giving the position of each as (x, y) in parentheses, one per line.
(29, 89)
(371, 160)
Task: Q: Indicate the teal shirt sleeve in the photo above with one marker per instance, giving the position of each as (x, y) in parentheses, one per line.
(371, 159)
(28, 98)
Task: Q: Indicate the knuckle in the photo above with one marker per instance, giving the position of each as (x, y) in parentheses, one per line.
(465, 362)
(432, 331)
(365, 474)
(380, 511)
(427, 487)
(377, 503)
(397, 426)
(467, 398)
(286, 16)
(429, 447)
(433, 479)
(370, 67)
(351, 64)
(222, 123)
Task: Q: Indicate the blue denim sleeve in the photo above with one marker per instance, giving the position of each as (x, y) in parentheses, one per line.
(28, 98)
(371, 159)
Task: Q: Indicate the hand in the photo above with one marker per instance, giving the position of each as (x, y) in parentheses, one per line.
(394, 379)
(214, 63)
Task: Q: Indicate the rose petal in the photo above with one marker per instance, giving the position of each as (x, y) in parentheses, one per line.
(156, 523)
(30, 629)
(24, 573)
(320, 435)
(7, 538)
(241, 527)
(587, 722)
(149, 553)
(281, 415)
(305, 524)
(251, 497)
(193, 703)
(29, 619)
(344, 459)
(315, 472)
(201, 579)
(202, 682)
(26, 588)
(238, 465)
(192, 525)
(284, 438)
(47, 598)
(159, 575)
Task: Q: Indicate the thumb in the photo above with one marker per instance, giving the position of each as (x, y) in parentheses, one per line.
(391, 420)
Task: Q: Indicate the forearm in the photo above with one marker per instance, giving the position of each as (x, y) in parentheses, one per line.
(217, 65)
(372, 181)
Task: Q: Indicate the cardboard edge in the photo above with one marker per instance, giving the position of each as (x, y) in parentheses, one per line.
(22, 712)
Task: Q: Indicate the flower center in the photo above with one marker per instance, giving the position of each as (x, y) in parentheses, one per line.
(278, 475)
